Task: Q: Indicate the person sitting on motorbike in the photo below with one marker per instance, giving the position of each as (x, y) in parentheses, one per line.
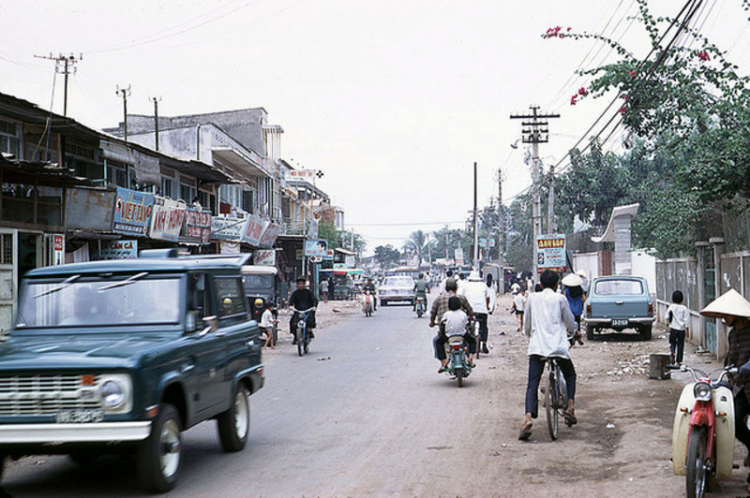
(370, 287)
(547, 322)
(734, 310)
(439, 308)
(478, 295)
(420, 290)
(302, 299)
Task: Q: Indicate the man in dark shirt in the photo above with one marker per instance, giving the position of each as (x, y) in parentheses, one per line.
(302, 299)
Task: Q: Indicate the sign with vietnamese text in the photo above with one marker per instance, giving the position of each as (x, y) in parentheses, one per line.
(302, 174)
(316, 248)
(254, 230)
(119, 249)
(227, 228)
(265, 257)
(132, 212)
(550, 253)
(196, 228)
(166, 219)
(270, 234)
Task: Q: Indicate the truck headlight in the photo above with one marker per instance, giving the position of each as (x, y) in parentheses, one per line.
(702, 391)
(116, 393)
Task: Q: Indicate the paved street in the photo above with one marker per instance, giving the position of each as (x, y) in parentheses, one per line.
(365, 414)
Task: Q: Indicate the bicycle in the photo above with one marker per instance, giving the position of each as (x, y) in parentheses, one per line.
(555, 397)
(303, 340)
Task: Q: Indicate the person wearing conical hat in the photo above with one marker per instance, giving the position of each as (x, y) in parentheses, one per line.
(734, 310)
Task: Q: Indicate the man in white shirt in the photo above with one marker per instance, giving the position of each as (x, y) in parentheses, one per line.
(547, 321)
(478, 294)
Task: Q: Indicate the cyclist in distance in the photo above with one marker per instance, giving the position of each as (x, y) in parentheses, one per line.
(547, 321)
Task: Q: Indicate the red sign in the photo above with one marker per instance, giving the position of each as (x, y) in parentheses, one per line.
(59, 242)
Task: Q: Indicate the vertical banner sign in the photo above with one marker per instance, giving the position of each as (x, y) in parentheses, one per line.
(550, 253)
(132, 212)
(58, 249)
(459, 255)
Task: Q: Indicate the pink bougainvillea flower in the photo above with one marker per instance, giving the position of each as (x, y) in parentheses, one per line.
(574, 99)
(622, 110)
(569, 28)
(704, 56)
(582, 91)
(632, 74)
(625, 96)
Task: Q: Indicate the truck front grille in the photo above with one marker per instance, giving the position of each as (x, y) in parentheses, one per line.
(45, 394)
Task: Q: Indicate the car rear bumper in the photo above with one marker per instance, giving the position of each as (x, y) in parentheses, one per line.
(103, 432)
(607, 322)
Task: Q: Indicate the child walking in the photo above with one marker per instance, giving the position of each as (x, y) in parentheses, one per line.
(677, 318)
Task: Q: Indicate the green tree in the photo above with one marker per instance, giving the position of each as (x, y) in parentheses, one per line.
(417, 245)
(387, 256)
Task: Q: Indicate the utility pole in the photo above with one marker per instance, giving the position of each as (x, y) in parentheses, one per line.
(535, 131)
(500, 246)
(476, 232)
(156, 101)
(63, 64)
(125, 93)
(551, 225)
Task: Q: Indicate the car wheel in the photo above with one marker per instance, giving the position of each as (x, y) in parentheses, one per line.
(2, 465)
(383, 303)
(646, 332)
(589, 332)
(82, 458)
(234, 424)
(160, 456)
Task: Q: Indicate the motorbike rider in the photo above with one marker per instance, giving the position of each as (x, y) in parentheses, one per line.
(478, 295)
(547, 319)
(734, 310)
(420, 290)
(370, 287)
(439, 307)
(302, 299)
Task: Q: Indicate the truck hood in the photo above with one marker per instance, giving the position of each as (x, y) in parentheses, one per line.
(79, 352)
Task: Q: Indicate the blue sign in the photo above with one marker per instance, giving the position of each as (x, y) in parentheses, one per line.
(133, 212)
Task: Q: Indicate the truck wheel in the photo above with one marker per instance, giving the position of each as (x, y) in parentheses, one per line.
(234, 424)
(646, 332)
(81, 458)
(2, 466)
(160, 456)
(589, 332)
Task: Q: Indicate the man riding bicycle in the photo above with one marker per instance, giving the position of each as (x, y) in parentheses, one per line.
(302, 299)
(420, 290)
(547, 321)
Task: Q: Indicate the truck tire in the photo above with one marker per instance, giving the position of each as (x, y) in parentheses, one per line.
(589, 332)
(160, 455)
(646, 332)
(234, 424)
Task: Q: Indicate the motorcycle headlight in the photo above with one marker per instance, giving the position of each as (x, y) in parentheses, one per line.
(116, 393)
(702, 391)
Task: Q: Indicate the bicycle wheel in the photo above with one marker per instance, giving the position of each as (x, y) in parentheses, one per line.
(551, 401)
(300, 341)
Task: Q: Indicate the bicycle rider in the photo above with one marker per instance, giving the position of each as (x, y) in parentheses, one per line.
(547, 322)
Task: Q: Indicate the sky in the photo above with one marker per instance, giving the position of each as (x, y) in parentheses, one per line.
(393, 100)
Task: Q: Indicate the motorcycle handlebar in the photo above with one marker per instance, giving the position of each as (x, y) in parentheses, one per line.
(302, 312)
(698, 374)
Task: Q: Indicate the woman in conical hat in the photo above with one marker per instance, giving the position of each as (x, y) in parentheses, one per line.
(734, 310)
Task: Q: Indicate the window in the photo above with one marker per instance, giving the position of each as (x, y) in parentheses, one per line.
(167, 187)
(187, 193)
(118, 174)
(619, 288)
(230, 299)
(9, 142)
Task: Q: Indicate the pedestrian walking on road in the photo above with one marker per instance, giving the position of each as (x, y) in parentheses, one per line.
(324, 290)
(677, 318)
(519, 304)
(547, 321)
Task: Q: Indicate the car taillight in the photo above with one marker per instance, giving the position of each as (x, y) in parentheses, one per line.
(650, 309)
(588, 309)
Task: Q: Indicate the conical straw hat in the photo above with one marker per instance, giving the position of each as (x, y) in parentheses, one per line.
(731, 303)
(572, 280)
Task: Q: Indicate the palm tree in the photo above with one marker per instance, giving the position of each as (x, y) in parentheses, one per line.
(417, 242)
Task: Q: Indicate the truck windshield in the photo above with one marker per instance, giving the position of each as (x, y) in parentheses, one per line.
(131, 300)
(258, 281)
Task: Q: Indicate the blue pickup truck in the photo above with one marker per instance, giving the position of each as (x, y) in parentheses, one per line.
(619, 303)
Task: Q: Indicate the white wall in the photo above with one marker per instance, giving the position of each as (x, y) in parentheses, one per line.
(644, 265)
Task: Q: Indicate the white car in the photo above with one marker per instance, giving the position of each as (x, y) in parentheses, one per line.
(396, 289)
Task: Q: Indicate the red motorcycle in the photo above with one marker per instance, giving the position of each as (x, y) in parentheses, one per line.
(703, 432)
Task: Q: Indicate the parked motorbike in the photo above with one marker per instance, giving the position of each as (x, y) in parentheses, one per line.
(703, 432)
(367, 303)
(458, 365)
(420, 307)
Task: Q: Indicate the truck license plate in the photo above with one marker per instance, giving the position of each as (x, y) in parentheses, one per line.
(619, 323)
(79, 416)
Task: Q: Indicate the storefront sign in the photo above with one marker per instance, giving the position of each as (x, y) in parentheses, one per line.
(166, 219)
(196, 228)
(316, 248)
(550, 253)
(254, 230)
(312, 229)
(302, 174)
(226, 228)
(270, 234)
(329, 256)
(119, 249)
(265, 257)
(132, 212)
(459, 255)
